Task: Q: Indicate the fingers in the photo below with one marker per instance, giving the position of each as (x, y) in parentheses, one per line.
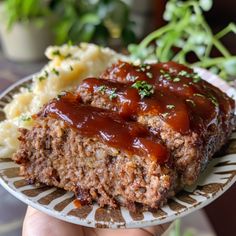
(157, 230)
(149, 231)
(37, 223)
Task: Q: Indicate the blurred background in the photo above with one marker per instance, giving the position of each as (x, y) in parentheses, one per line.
(27, 27)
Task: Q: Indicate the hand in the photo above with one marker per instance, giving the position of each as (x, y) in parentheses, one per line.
(37, 223)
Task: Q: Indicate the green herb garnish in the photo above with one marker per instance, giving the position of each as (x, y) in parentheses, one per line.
(170, 106)
(113, 94)
(132, 78)
(188, 30)
(46, 73)
(191, 101)
(41, 78)
(102, 89)
(149, 75)
(198, 95)
(25, 118)
(56, 53)
(56, 72)
(144, 89)
(61, 94)
(214, 100)
(165, 114)
(176, 79)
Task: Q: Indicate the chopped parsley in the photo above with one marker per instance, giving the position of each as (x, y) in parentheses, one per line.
(41, 78)
(46, 73)
(113, 94)
(191, 101)
(68, 55)
(28, 87)
(144, 89)
(71, 68)
(165, 74)
(61, 94)
(198, 95)
(102, 89)
(176, 79)
(149, 75)
(183, 73)
(25, 118)
(56, 53)
(170, 106)
(132, 78)
(214, 100)
(56, 72)
(196, 78)
(165, 114)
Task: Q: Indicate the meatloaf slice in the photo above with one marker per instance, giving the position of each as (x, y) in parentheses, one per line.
(192, 117)
(58, 153)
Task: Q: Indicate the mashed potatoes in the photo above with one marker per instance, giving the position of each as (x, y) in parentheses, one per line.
(68, 65)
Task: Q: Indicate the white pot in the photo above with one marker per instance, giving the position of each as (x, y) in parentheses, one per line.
(25, 41)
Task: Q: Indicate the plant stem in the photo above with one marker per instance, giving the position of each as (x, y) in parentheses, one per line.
(212, 61)
(230, 28)
(222, 49)
(155, 35)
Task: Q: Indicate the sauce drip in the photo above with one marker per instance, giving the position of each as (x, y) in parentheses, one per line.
(107, 126)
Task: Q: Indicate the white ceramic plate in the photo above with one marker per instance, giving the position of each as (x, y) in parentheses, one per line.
(213, 182)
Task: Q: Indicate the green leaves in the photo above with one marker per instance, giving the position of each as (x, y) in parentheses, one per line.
(25, 10)
(187, 33)
(92, 20)
(206, 5)
(144, 89)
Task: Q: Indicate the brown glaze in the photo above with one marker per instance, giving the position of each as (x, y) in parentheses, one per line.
(107, 126)
(181, 97)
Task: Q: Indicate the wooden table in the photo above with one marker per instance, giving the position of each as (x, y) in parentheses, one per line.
(221, 213)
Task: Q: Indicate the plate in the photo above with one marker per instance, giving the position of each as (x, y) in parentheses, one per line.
(219, 175)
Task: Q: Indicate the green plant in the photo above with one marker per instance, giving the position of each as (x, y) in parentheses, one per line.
(177, 231)
(25, 10)
(97, 20)
(188, 32)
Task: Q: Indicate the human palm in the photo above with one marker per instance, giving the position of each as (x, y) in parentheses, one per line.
(37, 223)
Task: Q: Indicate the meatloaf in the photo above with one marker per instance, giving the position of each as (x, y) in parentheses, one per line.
(134, 136)
(97, 155)
(192, 117)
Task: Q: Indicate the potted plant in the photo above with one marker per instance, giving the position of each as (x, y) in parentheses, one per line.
(100, 21)
(25, 28)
